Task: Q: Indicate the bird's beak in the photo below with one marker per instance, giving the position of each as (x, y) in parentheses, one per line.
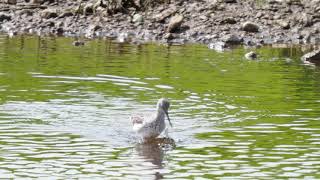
(168, 118)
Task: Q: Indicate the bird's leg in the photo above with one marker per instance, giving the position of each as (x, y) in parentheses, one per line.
(166, 132)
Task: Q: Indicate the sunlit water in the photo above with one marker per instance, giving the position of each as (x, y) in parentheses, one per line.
(64, 111)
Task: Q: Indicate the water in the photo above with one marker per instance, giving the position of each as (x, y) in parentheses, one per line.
(64, 111)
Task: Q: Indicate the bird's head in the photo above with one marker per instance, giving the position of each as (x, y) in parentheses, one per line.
(164, 104)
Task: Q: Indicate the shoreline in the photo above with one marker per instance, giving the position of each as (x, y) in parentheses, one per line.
(216, 23)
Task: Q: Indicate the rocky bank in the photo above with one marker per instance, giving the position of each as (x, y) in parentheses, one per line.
(218, 23)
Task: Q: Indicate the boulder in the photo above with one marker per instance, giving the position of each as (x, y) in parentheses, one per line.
(313, 56)
(250, 27)
(175, 23)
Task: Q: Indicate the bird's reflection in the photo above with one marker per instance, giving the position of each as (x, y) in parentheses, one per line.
(155, 150)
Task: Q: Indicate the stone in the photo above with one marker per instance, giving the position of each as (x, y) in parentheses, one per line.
(11, 1)
(59, 31)
(168, 36)
(306, 19)
(277, 17)
(100, 11)
(12, 33)
(232, 39)
(49, 24)
(177, 41)
(137, 18)
(97, 4)
(66, 13)
(60, 23)
(123, 37)
(259, 15)
(94, 27)
(26, 12)
(49, 13)
(313, 57)
(36, 1)
(88, 9)
(248, 41)
(283, 24)
(5, 17)
(218, 46)
(292, 2)
(78, 43)
(175, 23)
(251, 55)
(315, 40)
(250, 27)
(273, 1)
(230, 1)
(92, 30)
(229, 20)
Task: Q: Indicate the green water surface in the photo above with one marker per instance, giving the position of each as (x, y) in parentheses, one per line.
(64, 111)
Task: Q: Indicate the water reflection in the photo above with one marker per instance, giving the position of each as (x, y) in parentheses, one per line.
(151, 152)
(154, 151)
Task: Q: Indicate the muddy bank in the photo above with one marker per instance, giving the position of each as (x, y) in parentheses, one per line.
(218, 23)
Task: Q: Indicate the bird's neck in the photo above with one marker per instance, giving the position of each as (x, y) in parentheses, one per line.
(160, 114)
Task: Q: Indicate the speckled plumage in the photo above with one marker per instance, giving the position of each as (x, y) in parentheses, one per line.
(151, 125)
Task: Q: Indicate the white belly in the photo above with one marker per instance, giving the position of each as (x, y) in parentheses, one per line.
(150, 130)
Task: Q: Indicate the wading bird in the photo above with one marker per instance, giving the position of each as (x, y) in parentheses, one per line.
(151, 126)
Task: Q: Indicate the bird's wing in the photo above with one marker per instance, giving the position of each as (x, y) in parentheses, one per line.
(137, 119)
